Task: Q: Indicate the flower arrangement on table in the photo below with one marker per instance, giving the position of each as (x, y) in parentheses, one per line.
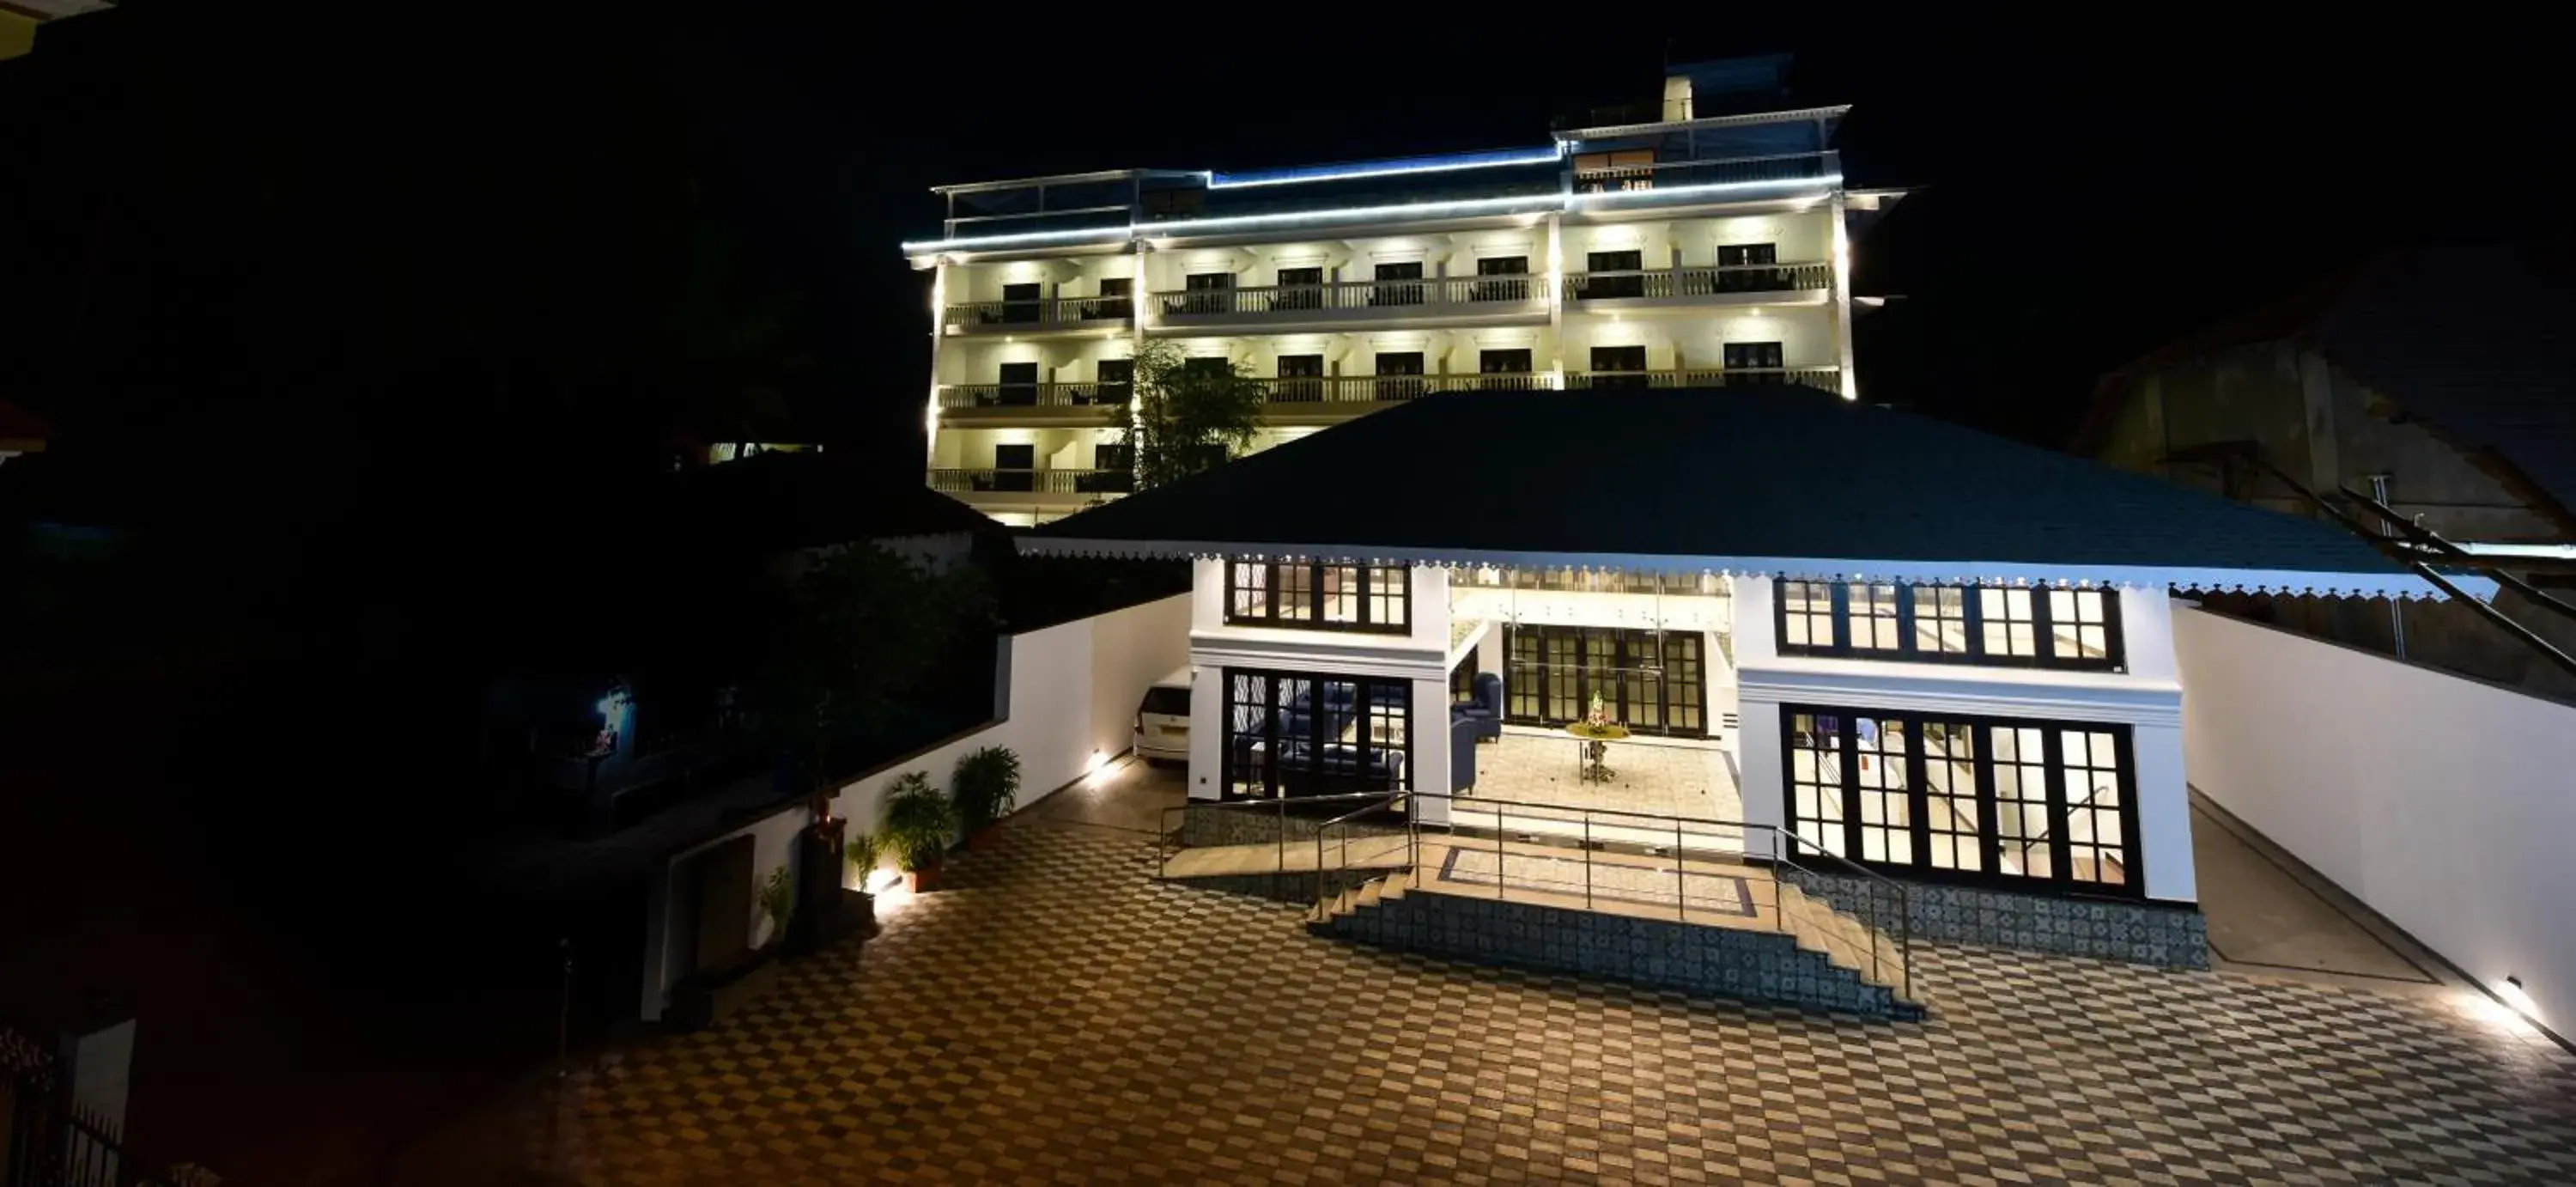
(1599, 717)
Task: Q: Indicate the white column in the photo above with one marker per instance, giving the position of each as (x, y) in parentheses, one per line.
(1842, 297)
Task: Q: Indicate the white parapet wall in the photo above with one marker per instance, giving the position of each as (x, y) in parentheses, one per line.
(2445, 804)
(1070, 694)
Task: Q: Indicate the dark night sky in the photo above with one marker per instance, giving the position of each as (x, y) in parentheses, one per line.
(2085, 198)
(2088, 192)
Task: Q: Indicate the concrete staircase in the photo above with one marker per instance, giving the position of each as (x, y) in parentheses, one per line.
(1823, 958)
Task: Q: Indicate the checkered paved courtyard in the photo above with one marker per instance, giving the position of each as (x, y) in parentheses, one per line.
(1057, 1015)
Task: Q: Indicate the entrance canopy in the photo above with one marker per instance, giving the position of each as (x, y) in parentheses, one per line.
(1754, 480)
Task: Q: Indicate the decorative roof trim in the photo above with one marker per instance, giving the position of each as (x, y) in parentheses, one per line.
(2187, 579)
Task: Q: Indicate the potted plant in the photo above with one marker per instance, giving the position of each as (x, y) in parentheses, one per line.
(864, 851)
(985, 788)
(778, 902)
(919, 822)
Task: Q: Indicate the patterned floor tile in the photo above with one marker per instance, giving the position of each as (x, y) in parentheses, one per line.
(1058, 1016)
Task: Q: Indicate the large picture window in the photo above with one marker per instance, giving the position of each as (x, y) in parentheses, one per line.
(1957, 798)
(2042, 628)
(1296, 734)
(1377, 598)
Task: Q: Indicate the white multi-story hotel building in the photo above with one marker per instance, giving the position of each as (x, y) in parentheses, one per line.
(1684, 251)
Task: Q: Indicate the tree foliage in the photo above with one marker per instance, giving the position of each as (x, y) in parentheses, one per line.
(859, 631)
(1190, 414)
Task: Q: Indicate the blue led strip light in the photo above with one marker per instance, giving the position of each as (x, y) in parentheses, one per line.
(1523, 204)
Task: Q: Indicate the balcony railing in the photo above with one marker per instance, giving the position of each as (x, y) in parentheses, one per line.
(1479, 292)
(1041, 313)
(1828, 378)
(1610, 179)
(1701, 281)
(1034, 395)
(1047, 482)
(1388, 389)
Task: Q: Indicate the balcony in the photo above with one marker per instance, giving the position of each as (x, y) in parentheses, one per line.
(1036, 404)
(1825, 378)
(1681, 175)
(1293, 400)
(1069, 484)
(1719, 283)
(1040, 315)
(1361, 301)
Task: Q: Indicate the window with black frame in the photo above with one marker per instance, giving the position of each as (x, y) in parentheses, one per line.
(1295, 735)
(2077, 629)
(1995, 801)
(1501, 278)
(1333, 597)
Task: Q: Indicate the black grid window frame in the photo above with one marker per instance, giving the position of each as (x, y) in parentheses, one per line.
(1910, 649)
(1382, 596)
(1265, 696)
(2059, 880)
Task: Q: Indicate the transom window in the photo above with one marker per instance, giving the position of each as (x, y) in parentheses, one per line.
(1336, 597)
(2047, 628)
(1957, 798)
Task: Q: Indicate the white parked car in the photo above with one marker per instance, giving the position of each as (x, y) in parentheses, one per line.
(1163, 720)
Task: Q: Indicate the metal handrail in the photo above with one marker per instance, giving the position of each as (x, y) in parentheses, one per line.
(1786, 849)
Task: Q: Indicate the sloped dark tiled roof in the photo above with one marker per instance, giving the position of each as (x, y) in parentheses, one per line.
(1751, 474)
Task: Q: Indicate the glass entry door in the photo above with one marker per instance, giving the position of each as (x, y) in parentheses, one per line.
(1653, 682)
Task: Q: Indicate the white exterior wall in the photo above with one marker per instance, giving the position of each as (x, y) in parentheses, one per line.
(1420, 655)
(2147, 698)
(1072, 691)
(2441, 802)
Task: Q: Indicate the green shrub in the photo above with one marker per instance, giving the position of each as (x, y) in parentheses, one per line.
(919, 821)
(862, 851)
(778, 901)
(986, 786)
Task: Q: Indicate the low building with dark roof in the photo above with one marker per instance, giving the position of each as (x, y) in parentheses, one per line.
(1816, 630)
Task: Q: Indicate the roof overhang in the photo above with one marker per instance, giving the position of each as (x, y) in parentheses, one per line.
(2184, 579)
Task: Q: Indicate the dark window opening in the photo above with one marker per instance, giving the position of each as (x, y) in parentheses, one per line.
(1207, 292)
(1735, 275)
(1019, 386)
(1117, 381)
(1021, 302)
(1501, 278)
(1598, 287)
(1619, 366)
(1383, 293)
(1757, 362)
(1399, 375)
(1299, 288)
(1504, 369)
(1301, 379)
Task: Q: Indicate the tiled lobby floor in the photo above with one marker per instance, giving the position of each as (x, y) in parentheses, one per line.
(1058, 1016)
(1650, 775)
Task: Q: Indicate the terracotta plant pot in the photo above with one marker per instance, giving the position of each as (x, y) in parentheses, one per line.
(923, 880)
(985, 837)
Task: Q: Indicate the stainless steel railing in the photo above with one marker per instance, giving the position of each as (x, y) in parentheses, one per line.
(1479, 824)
